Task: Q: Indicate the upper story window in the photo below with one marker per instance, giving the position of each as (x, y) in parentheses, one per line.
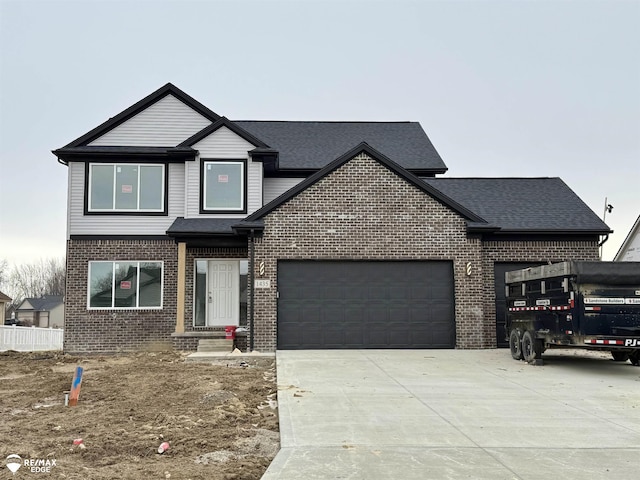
(223, 186)
(126, 187)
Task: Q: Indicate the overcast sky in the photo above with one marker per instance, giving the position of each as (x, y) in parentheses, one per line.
(502, 88)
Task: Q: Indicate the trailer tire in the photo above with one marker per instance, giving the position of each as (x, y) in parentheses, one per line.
(635, 358)
(620, 356)
(531, 347)
(515, 344)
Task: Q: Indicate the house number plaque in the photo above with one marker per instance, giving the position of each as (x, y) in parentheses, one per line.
(262, 283)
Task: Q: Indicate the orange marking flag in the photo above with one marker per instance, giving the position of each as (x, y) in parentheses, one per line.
(75, 387)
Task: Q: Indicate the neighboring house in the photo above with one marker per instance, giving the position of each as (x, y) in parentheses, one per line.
(345, 231)
(46, 311)
(4, 300)
(630, 249)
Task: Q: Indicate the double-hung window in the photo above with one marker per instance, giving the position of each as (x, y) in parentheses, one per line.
(223, 186)
(126, 187)
(125, 285)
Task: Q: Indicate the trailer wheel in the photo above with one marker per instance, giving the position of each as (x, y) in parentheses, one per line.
(620, 356)
(531, 348)
(515, 344)
(635, 358)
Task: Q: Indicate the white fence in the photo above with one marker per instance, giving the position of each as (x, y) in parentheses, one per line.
(30, 339)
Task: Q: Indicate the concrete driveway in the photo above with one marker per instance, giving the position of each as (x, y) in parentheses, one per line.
(450, 414)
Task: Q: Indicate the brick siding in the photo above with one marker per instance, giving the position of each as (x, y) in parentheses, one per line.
(360, 211)
(363, 211)
(117, 330)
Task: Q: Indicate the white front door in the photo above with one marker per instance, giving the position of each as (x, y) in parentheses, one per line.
(223, 293)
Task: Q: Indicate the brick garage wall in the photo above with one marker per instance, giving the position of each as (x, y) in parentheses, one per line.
(363, 211)
(524, 251)
(106, 331)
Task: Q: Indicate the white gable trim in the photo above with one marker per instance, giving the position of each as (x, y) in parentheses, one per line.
(630, 249)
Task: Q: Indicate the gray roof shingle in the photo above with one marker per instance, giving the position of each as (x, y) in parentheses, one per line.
(202, 226)
(522, 204)
(45, 303)
(312, 145)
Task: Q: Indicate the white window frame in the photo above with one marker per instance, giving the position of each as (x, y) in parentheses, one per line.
(243, 174)
(90, 209)
(113, 276)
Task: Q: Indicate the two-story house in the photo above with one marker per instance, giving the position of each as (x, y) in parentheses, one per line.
(313, 234)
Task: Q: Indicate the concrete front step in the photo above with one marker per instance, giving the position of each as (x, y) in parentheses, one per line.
(202, 349)
(215, 341)
(217, 357)
(215, 345)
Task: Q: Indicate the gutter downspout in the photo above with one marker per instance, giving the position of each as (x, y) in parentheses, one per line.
(252, 253)
(606, 237)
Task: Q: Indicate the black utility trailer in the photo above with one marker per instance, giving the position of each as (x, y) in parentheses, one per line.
(592, 305)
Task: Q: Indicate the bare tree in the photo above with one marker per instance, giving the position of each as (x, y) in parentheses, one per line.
(44, 277)
(4, 273)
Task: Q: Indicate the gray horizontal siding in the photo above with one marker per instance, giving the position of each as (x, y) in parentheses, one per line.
(80, 224)
(167, 122)
(222, 144)
(274, 187)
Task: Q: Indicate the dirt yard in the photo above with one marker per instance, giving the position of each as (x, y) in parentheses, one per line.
(220, 420)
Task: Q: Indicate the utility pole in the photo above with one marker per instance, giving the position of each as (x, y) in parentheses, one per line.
(607, 208)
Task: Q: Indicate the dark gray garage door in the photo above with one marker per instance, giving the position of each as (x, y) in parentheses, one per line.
(351, 304)
(499, 270)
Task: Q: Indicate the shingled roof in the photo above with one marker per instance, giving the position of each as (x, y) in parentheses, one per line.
(541, 205)
(202, 226)
(44, 303)
(313, 145)
(302, 147)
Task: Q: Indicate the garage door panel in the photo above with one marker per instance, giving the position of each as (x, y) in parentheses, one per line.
(399, 293)
(400, 316)
(378, 336)
(333, 336)
(291, 313)
(376, 313)
(399, 335)
(439, 291)
(358, 292)
(289, 335)
(334, 293)
(437, 311)
(350, 304)
(354, 334)
(355, 316)
(376, 292)
(419, 292)
(332, 314)
(312, 336)
(310, 313)
(417, 315)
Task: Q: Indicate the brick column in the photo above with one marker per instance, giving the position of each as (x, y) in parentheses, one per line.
(180, 294)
